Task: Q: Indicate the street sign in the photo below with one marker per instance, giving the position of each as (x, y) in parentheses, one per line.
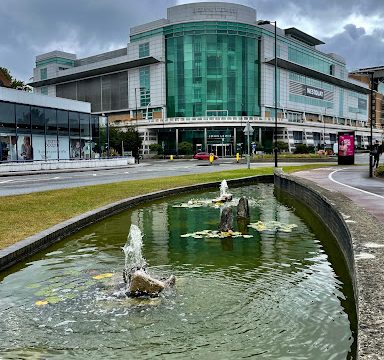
(248, 130)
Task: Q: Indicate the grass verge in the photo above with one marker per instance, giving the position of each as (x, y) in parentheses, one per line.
(25, 215)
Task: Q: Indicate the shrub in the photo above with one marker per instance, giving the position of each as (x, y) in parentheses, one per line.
(282, 146)
(380, 171)
(301, 149)
(185, 148)
(156, 148)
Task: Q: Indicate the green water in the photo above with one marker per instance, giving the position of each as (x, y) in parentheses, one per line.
(272, 296)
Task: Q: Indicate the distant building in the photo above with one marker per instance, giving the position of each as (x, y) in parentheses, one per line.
(206, 70)
(374, 78)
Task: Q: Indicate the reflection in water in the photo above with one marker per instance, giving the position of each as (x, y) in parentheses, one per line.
(275, 295)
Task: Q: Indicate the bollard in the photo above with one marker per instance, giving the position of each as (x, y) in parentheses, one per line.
(237, 157)
(171, 157)
(211, 158)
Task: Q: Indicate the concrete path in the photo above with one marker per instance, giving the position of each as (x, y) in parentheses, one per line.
(354, 182)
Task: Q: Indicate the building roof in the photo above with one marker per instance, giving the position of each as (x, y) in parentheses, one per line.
(302, 36)
(287, 65)
(95, 71)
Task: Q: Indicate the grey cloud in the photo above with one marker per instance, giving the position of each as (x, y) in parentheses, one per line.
(89, 26)
(358, 48)
(92, 26)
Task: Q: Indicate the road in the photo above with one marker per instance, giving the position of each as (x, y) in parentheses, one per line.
(29, 183)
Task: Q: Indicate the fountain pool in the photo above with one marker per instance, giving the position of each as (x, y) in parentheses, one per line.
(275, 295)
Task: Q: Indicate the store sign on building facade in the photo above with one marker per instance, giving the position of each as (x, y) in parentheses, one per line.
(313, 92)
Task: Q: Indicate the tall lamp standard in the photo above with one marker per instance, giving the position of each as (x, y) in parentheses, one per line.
(371, 140)
(266, 22)
(140, 88)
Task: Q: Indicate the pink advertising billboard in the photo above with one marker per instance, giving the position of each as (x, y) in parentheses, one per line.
(346, 149)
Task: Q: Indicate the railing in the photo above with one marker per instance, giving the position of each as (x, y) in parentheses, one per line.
(240, 120)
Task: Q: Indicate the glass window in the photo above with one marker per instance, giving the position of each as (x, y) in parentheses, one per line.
(115, 91)
(44, 90)
(74, 128)
(24, 146)
(23, 119)
(144, 50)
(37, 120)
(145, 94)
(90, 90)
(50, 121)
(7, 117)
(213, 72)
(63, 132)
(95, 146)
(43, 74)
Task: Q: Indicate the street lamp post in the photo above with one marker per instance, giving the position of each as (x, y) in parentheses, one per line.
(371, 140)
(275, 53)
(248, 130)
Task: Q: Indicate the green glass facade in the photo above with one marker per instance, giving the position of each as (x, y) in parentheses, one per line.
(212, 67)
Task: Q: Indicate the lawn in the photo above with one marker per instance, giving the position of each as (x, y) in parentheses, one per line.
(26, 215)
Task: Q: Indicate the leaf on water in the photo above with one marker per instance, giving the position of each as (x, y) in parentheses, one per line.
(102, 276)
(53, 299)
(41, 302)
(272, 226)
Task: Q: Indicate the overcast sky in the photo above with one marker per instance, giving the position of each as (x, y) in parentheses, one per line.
(353, 29)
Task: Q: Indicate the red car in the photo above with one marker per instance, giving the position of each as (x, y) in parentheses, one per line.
(203, 156)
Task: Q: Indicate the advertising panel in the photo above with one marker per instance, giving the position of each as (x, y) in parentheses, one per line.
(346, 150)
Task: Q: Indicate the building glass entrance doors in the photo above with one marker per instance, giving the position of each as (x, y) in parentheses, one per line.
(221, 150)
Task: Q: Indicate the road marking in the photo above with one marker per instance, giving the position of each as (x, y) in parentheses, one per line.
(5, 181)
(351, 187)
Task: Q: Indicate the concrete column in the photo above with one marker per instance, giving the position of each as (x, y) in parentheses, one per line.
(177, 141)
(205, 140)
(234, 141)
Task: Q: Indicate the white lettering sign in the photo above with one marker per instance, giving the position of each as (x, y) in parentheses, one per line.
(314, 92)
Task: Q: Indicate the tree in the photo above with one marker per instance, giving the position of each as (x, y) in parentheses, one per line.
(130, 139)
(15, 84)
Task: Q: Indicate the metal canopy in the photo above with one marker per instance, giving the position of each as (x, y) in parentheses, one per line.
(287, 65)
(98, 71)
(302, 36)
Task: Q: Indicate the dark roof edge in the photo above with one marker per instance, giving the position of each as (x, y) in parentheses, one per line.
(98, 71)
(287, 65)
(300, 35)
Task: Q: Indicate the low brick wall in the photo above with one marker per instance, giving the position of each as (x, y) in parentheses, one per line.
(360, 238)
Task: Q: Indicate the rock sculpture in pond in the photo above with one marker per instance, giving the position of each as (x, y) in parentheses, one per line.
(226, 220)
(139, 282)
(243, 208)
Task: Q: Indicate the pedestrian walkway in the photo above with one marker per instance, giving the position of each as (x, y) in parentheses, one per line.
(354, 182)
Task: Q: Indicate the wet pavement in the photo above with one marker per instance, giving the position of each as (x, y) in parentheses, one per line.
(353, 182)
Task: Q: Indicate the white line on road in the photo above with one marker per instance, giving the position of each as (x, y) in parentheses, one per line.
(6, 181)
(330, 177)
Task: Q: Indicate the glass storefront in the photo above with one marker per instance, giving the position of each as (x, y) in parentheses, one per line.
(30, 133)
(212, 68)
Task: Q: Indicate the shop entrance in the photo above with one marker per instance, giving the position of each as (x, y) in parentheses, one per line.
(221, 150)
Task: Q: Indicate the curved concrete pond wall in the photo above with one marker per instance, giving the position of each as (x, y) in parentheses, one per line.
(356, 231)
(361, 240)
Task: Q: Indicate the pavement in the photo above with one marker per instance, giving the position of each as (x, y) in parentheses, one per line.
(353, 182)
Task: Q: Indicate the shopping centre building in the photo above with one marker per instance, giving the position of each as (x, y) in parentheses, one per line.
(205, 71)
